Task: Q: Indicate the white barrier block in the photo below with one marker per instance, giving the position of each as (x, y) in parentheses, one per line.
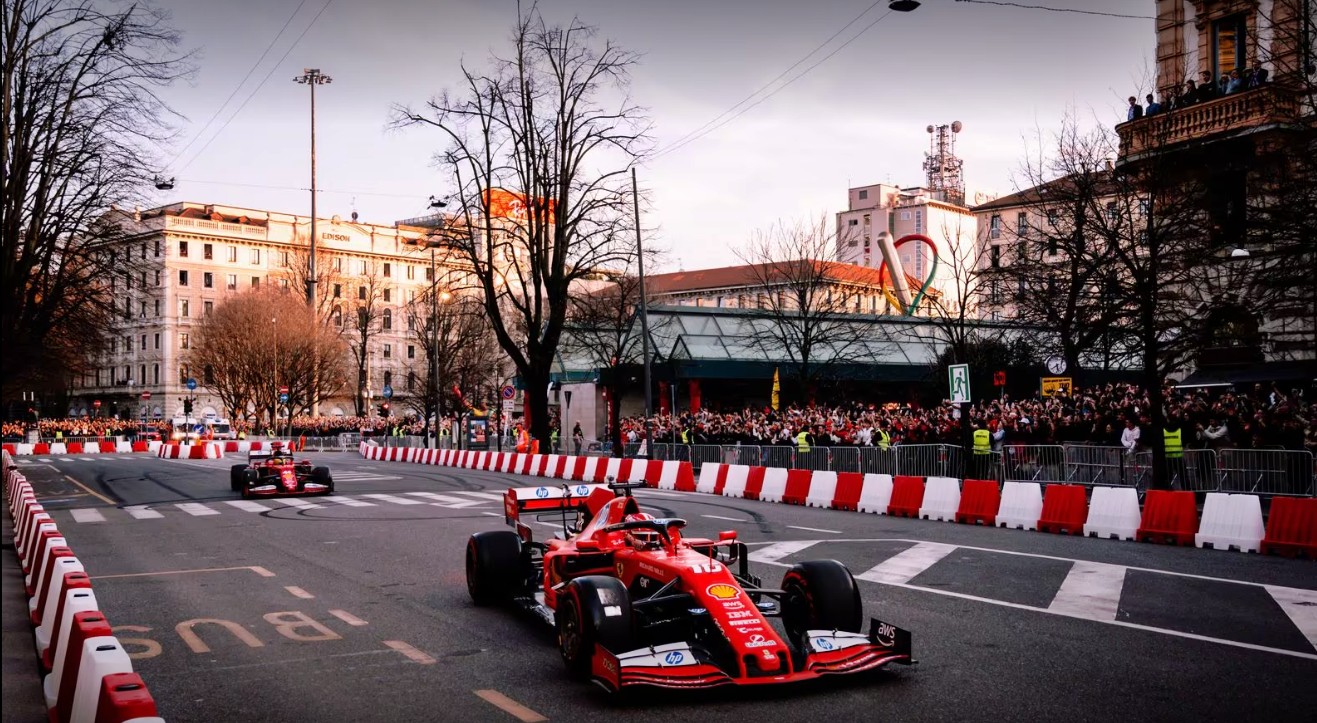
(737, 476)
(153, 446)
(1021, 505)
(505, 464)
(1113, 512)
(40, 554)
(91, 448)
(614, 466)
(58, 448)
(591, 465)
(708, 480)
(941, 499)
(78, 600)
(123, 447)
(775, 485)
(668, 475)
(639, 469)
(101, 656)
(551, 466)
(1231, 521)
(876, 494)
(46, 629)
(822, 488)
(23, 449)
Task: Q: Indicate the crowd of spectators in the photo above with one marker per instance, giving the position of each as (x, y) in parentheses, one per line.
(1264, 417)
(1193, 92)
(76, 428)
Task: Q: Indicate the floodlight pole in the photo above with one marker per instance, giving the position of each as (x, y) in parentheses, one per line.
(644, 319)
(312, 77)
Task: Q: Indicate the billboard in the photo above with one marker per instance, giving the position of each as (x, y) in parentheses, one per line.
(513, 206)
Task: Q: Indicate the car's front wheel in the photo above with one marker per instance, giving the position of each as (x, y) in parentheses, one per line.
(235, 476)
(321, 476)
(494, 566)
(592, 610)
(820, 595)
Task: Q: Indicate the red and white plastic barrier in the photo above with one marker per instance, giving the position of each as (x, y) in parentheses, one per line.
(39, 449)
(91, 678)
(205, 450)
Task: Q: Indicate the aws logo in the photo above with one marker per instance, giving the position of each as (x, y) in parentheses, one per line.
(722, 591)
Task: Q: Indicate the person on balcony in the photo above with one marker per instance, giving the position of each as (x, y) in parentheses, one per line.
(1153, 106)
(1258, 78)
(1135, 111)
(1207, 89)
(1235, 84)
(1190, 95)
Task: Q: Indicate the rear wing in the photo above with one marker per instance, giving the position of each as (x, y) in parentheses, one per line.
(560, 498)
(256, 455)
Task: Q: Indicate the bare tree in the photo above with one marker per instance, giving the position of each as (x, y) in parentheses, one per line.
(256, 342)
(462, 346)
(296, 270)
(538, 147)
(78, 84)
(364, 313)
(959, 290)
(807, 302)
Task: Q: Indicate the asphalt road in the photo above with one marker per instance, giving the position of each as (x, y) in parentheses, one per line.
(354, 608)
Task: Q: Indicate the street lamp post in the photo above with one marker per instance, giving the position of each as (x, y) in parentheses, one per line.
(644, 320)
(312, 77)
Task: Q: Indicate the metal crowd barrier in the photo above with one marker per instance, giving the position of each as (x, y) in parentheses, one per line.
(1267, 471)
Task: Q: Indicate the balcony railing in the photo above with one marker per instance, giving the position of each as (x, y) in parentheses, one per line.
(1267, 105)
(223, 228)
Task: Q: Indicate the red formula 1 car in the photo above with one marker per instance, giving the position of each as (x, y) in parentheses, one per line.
(637, 604)
(274, 472)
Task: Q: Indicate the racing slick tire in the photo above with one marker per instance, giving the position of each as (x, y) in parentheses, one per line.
(235, 476)
(494, 566)
(582, 620)
(820, 595)
(249, 478)
(321, 475)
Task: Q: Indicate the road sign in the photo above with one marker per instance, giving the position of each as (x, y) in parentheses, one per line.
(146, 395)
(509, 392)
(191, 384)
(509, 407)
(388, 391)
(958, 380)
(999, 379)
(1051, 386)
(96, 404)
(283, 390)
(283, 398)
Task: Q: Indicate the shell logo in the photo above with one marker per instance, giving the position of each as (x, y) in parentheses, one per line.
(722, 591)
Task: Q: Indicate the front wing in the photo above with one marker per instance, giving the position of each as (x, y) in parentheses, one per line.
(677, 665)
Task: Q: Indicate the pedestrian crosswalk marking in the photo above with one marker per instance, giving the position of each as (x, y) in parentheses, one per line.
(348, 501)
(142, 512)
(907, 564)
(478, 495)
(90, 514)
(248, 505)
(394, 500)
(446, 501)
(196, 509)
(294, 502)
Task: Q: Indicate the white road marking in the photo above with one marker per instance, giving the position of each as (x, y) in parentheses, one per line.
(1301, 606)
(87, 515)
(394, 500)
(814, 529)
(196, 509)
(347, 501)
(779, 550)
(413, 654)
(720, 517)
(905, 565)
(348, 617)
(142, 512)
(1090, 590)
(480, 495)
(296, 591)
(44, 459)
(294, 502)
(248, 505)
(492, 514)
(510, 706)
(445, 501)
(66, 459)
(86, 459)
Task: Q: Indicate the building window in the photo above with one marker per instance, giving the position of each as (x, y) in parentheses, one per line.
(429, 273)
(388, 319)
(283, 259)
(141, 309)
(994, 226)
(184, 310)
(182, 374)
(157, 308)
(182, 249)
(852, 222)
(388, 353)
(338, 291)
(338, 265)
(996, 257)
(208, 280)
(411, 351)
(182, 277)
(1112, 213)
(208, 375)
(1053, 246)
(361, 293)
(1228, 48)
(411, 272)
(338, 316)
(864, 195)
(1052, 217)
(208, 252)
(157, 277)
(143, 348)
(207, 308)
(231, 282)
(388, 297)
(1021, 224)
(157, 249)
(388, 269)
(155, 373)
(411, 381)
(233, 254)
(283, 284)
(411, 324)
(183, 341)
(256, 282)
(157, 340)
(361, 267)
(255, 255)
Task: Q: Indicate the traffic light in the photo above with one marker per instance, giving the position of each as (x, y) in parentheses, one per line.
(384, 409)
(187, 406)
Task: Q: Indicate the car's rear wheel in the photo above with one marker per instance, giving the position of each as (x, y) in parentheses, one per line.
(494, 566)
(235, 476)
(592, 610)
(321, 476)
(820, 595)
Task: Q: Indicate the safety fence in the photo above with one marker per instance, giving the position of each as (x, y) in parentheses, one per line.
(1254, 471)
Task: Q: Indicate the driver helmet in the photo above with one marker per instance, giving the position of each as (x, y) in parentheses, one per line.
(643, 539)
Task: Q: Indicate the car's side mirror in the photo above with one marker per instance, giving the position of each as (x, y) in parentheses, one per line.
(727, 535)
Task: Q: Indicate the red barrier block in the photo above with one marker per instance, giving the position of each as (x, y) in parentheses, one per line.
(41, 448)
(1291, 527)
(85, 626)
(754, 483)
(12, 449)
(849, 487)
(43, 581)
(1065, 507)
(124, 697)
(653, 472)
(600, 470)
(1170, 517)
(686, 477)
(797, 488)
(624, 470)
(720, 481)
(578, 469)
(42, 543)
(141, 447)
(74, 447)
(559, 467)
(979, 501)
(907, 496)
(72, 581)
(108, 447)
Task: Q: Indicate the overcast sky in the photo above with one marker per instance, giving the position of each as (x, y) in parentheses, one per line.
(857, 118)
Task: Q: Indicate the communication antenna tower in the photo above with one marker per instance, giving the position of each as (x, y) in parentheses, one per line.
(941, 165)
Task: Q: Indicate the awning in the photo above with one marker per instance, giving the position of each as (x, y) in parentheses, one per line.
(1277, 371)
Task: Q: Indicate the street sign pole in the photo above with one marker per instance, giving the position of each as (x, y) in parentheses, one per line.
(958, 383)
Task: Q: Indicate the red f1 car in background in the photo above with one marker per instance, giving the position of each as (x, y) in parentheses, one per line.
(637, 604)
(275, 472)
